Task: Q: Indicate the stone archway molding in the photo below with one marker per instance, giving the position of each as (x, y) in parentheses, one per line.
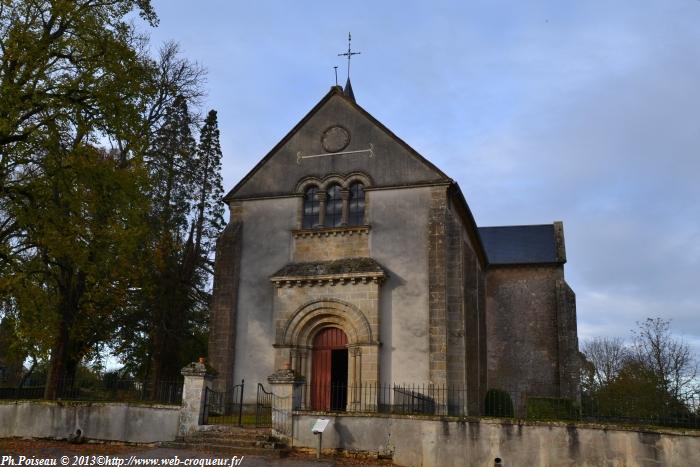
(327, 312)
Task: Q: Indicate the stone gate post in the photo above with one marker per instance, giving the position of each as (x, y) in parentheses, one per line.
(197, 379)
(286, 397)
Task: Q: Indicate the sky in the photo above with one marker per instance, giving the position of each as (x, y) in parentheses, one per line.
(581, 111)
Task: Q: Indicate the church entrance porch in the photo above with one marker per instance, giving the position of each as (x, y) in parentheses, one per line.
(329, 369)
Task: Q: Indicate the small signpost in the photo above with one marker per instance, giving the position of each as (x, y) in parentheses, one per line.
(317, 429)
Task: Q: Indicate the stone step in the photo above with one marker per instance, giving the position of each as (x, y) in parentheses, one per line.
(228, 441)
(232, 429)
(223, 441)
(232, 434)
(227, 449)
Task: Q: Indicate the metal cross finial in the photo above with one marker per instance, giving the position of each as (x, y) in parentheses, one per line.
(349, 54)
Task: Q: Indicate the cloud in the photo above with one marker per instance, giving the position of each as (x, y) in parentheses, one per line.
(585, 112)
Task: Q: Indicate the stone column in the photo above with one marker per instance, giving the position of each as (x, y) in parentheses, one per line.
(321, 195)
(345, 196)
(197, 380)
(355, 379)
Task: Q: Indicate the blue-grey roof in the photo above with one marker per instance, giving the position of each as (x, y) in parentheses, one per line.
(520, 244)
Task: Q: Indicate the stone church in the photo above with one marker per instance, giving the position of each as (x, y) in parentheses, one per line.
(351, 258)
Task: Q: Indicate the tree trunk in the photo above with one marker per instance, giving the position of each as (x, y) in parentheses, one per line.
(57, 367)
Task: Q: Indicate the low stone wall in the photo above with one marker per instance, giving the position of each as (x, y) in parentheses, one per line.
(109, 421)
(415, 441)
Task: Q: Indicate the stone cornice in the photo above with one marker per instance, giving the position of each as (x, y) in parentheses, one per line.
(332, 231)
(329, 279)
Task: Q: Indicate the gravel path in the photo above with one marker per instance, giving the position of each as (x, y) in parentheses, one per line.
(45, 449)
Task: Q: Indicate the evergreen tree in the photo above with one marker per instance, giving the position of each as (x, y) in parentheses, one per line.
(210, 209)
(186, 217)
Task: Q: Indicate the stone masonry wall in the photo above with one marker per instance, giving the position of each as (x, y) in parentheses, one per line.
(362, 295)
(474, 332)
(522, 329)
(222, 334)
(426, 442)
(569, 365)
(105, 421)
(456, 306)
(456, 351)
(330, 244)
(437, 286)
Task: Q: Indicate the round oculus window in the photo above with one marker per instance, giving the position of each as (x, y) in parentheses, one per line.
(335, 138)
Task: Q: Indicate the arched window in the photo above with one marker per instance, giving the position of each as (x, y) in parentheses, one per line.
(334, 207)
(311, 208)
(356, 209)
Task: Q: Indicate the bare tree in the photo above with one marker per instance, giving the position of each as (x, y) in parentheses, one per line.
(670, 359)
(607, 356)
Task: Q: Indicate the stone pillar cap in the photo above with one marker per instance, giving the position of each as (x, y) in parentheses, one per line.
(198, 369)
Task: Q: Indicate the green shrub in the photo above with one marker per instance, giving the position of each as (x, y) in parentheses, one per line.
(498, 404)
(551, 408)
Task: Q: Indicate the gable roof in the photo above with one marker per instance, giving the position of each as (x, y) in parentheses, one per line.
(335, 91)
(522, 244)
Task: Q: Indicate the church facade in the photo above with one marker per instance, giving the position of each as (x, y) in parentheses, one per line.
(352, 259)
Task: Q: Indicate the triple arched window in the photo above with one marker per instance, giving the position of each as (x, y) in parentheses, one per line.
(335, 207)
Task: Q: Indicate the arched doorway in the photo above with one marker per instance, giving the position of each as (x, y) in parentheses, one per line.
(329, 370)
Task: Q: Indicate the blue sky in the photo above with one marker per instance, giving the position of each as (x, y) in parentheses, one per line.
(580, 111)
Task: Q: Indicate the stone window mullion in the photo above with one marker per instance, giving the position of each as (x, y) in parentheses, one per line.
(345, 195)
(321, 196)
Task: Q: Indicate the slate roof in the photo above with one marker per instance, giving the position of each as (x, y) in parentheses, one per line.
(328, 268)
(348, 90)
(520, 244)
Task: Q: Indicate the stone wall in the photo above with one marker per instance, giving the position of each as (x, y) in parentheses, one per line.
(426, 442)
(224, 305)
(569, 360)
(107, 421)
(350, 305)
(265, 248)
(456, 305)
(523, 329)
(330, 243)
(437, 285)
(399, 242)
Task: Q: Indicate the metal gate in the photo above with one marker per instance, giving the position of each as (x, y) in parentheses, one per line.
(224, 408)
(282, 422)
(263, 408)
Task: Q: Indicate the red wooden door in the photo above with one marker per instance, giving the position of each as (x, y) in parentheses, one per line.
(325, 342)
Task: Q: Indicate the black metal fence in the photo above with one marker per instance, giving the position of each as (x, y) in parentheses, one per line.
(224, 408)
(263, 407)
(449, 400)
(105, 388)
(653, 411)
(416, 399)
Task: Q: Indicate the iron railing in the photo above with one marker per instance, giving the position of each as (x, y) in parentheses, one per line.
(453, 400)
(425, 399)
(263, 408)
(105, 388)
